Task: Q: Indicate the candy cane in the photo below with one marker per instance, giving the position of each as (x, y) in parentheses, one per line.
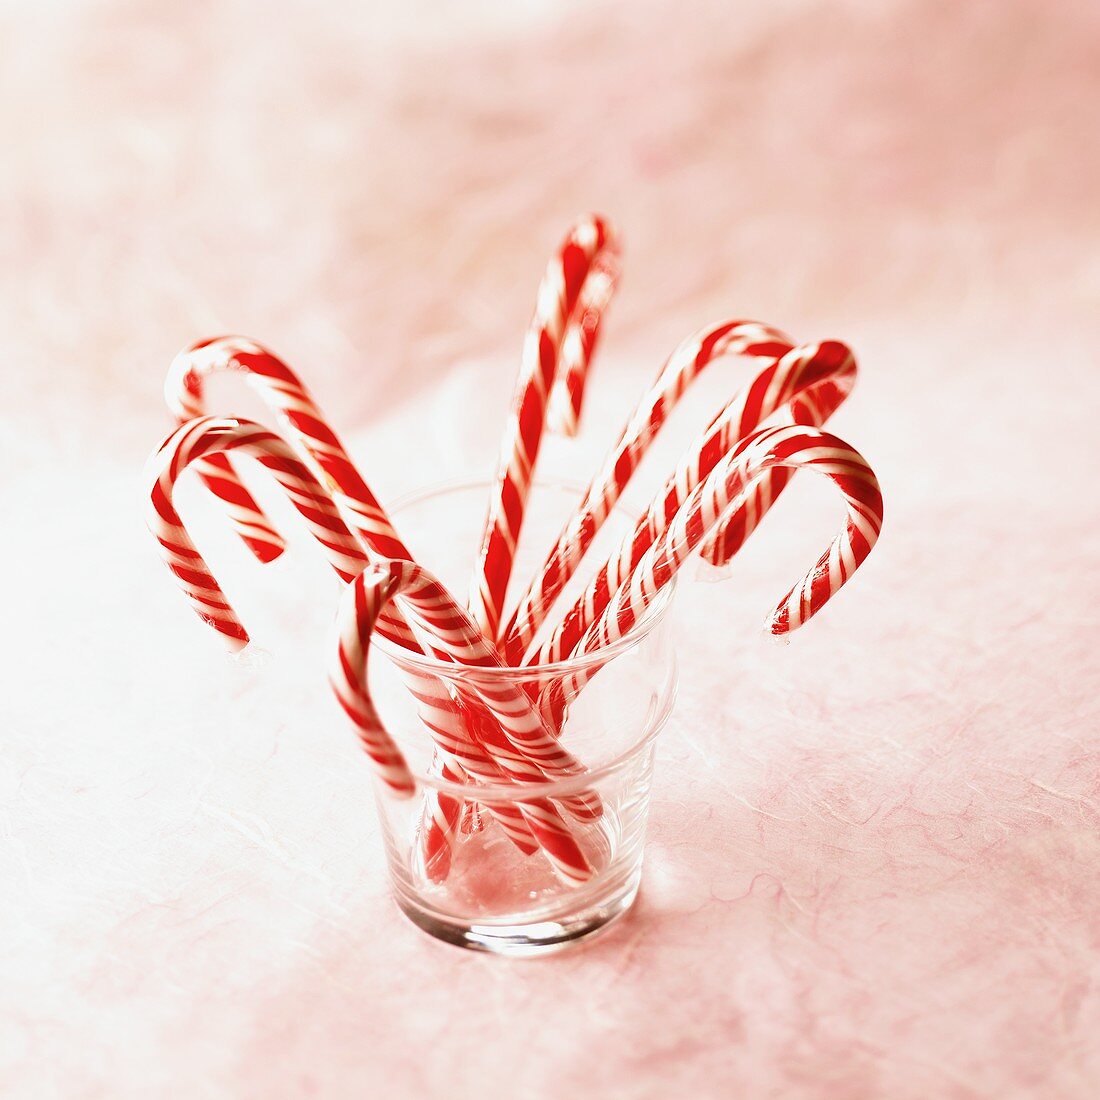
(818, 376)
(458, 636)
(687, 362)
(183, 395)
(587, 253)
(811, 408)
(297, 412)
(578, 345)
(788, 446)
(435, 709)
(301, 416)
(307, 425)
(206, 436)
(791, 446)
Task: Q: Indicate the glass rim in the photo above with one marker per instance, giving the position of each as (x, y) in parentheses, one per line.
(654, 613)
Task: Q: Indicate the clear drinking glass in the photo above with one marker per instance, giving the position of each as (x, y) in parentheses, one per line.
(491, 895)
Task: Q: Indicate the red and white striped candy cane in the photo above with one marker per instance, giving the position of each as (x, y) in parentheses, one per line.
(578, 345)
(434, 704)
(308, 426)
(795, 447)
(182, 392)
(459, 637)
(687, 362)
(791, 446)
(818, 376)
(300, 415)
(207, 436)
(564, 301)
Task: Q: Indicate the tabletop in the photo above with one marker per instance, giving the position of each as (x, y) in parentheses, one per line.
(872, 858)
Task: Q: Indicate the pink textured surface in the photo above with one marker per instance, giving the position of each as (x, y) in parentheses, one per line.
(873, 859)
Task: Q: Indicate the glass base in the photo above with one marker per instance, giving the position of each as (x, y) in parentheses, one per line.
(526, 938)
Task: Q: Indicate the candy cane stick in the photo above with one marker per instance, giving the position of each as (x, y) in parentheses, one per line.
(206, 436)
(687, 362)
(209, 435)
(826, 371)
(435, 709)
(457, 636)
(794, 447)
(300, 415)
(789, 446)
(588, 252)
(308, 426)
(578, 345)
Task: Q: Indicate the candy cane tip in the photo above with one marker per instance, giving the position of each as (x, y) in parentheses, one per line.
(402, 790)
(565, 425)
(265, 552)
(714, 562)
(435, 867)
(234, 644)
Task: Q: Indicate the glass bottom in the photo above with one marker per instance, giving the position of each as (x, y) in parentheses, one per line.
(524, 938)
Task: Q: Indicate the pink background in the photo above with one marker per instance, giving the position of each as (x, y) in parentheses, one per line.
(873, 858)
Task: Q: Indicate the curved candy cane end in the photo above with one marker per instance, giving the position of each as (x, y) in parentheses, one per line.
(183, 394)
(779, 622)
(179, 381)
(363, 599)
(266, 552)
(183, 382)
(593, 231)
(721, 547)
(235, 642)
(712, 566)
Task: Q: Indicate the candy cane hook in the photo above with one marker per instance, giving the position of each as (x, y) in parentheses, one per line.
(691, 357)
(814, 376)
(793, 447)
(565, 300)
